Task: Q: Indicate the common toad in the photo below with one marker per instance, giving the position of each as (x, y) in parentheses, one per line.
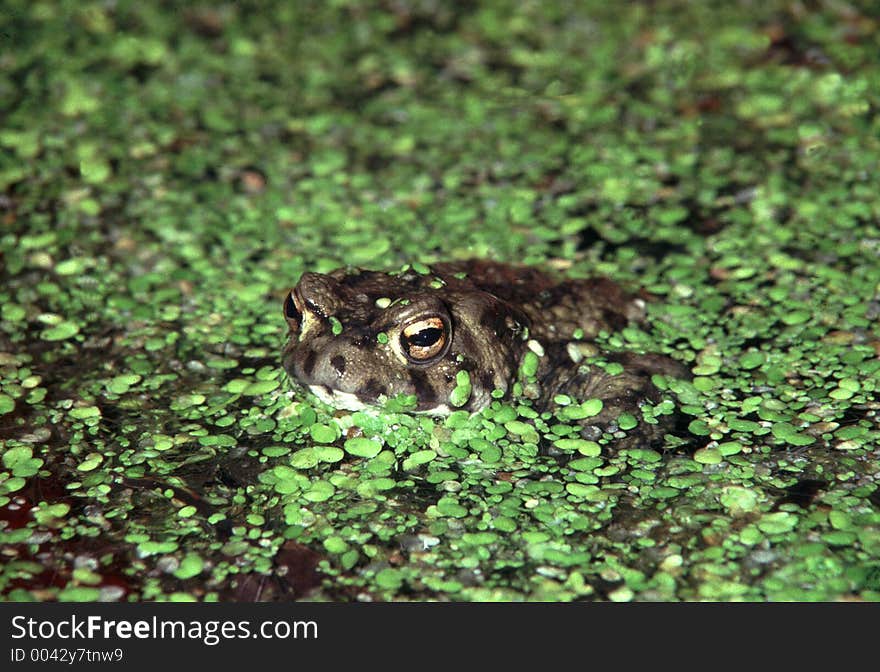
(358, 337)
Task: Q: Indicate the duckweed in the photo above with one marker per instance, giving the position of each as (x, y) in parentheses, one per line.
(174, 173)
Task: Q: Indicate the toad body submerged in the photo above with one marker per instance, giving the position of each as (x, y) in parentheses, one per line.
(360, 337)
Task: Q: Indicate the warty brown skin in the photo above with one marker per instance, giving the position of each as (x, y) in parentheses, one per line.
(477, 316)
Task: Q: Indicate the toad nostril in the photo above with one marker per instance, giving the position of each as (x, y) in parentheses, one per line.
(338, 363)
(308, 365)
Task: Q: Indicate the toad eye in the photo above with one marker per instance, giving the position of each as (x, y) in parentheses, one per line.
(425, 339)
(292, 313)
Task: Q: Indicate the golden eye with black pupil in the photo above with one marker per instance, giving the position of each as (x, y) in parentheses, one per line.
(425, 339)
